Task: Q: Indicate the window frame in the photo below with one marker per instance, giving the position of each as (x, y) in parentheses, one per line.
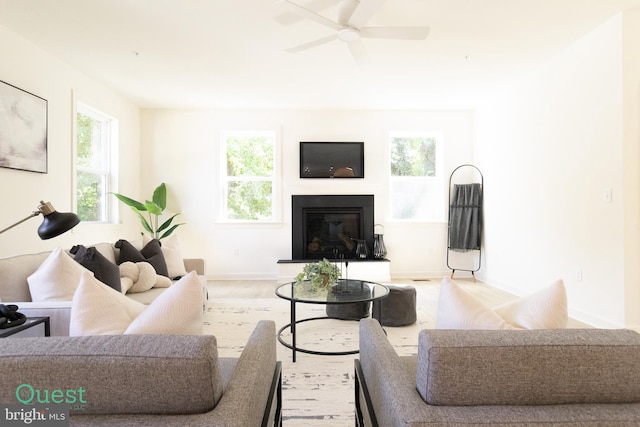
(438, 180)
(108, 172)
(275, 179)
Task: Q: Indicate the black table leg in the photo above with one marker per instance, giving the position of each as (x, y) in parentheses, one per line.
(293, 329)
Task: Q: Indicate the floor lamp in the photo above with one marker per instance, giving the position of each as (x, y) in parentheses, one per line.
(53, 224)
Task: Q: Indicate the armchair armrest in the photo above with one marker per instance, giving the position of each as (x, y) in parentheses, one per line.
(391, 389)
(248, 394)
(194, 264)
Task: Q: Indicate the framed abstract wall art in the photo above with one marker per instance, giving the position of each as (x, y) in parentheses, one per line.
(23, 130)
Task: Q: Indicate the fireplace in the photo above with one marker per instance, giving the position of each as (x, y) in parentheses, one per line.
(327, 226)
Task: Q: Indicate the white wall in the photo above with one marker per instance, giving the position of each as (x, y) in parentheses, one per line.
(551, 146)
(181, 148)
(33, 70)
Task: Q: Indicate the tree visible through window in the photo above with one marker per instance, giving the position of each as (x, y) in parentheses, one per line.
(249, 180)
(416, 176)
(93, 139)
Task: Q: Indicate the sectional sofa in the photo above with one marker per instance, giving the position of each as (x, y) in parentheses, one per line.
(14, 286)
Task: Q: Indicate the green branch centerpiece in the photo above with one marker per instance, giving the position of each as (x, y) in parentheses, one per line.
(154, 208)
(322, 275)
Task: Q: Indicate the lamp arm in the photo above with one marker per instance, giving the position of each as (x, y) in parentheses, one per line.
(33, 214)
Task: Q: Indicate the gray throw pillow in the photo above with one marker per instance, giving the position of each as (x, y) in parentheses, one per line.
(103, 269)
(151, 253)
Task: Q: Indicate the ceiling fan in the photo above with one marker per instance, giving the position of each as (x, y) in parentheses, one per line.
(350, 27)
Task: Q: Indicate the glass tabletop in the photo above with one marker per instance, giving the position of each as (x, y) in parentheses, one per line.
(343, 292)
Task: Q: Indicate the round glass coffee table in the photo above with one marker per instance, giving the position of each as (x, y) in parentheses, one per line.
(345, 291)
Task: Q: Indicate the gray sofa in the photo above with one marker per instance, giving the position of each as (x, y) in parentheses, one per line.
(14, 288)
(148, 380)
(563, 377)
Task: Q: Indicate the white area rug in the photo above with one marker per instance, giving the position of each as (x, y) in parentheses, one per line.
(317, 390)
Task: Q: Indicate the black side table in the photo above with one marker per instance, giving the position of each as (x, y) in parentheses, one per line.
(29, 323)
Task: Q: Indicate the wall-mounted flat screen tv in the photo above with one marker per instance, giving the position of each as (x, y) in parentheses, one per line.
(331, 159)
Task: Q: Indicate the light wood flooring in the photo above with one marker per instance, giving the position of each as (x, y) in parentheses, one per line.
(425, 289)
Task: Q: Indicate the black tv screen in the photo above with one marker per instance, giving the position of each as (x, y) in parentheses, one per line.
(331, 159)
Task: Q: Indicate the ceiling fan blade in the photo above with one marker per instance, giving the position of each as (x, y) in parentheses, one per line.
(290, 18)
(313, 16)
(345, 10)
(311, 44)
(398, 33)
(358, 51)
(365, 10)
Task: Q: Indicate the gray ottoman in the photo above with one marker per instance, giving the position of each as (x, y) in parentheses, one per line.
(349, 310)
(398, 308)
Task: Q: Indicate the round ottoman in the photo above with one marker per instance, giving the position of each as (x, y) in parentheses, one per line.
(398, 308)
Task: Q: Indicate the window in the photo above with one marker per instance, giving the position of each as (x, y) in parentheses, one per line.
(417, 183)
(249, 176)
(95, 134)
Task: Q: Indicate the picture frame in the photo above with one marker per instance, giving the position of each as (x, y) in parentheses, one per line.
(23, 130)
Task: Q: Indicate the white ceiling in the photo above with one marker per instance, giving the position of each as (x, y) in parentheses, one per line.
(231, 53)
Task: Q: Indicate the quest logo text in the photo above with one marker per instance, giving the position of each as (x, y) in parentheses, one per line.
(42, 407)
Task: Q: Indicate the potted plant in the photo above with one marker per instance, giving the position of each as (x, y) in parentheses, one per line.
(322, 275)
(154, 208)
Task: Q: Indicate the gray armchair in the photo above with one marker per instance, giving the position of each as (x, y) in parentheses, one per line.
(563, 377)
(149, 380)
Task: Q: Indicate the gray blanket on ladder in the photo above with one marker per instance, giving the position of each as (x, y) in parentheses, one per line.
(465, 217)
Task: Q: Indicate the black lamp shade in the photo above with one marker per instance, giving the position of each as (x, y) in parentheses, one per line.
(57, 223)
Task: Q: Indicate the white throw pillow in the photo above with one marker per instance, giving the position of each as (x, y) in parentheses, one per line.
(172, 252)
(56, 279)
(458, 309)
(98, 309)
(178, 310)
(545, 309)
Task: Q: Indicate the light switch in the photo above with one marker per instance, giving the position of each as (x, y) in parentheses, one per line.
(606, 195)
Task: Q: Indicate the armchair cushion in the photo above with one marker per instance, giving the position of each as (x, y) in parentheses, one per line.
(117, 374)
(538, 367)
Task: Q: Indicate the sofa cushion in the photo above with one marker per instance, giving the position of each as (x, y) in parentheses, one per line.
(458, 309)
(545, 309)
(117, 374)
(98, 309)
(151, 253)
(13, 275)
(103, 269)
(56, 279)
(522, 367)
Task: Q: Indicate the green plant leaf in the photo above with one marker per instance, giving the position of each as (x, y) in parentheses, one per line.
(153, 208)
(144, 222)
(160, 196)
(169, 231)
(167, 223)
(130, 202)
